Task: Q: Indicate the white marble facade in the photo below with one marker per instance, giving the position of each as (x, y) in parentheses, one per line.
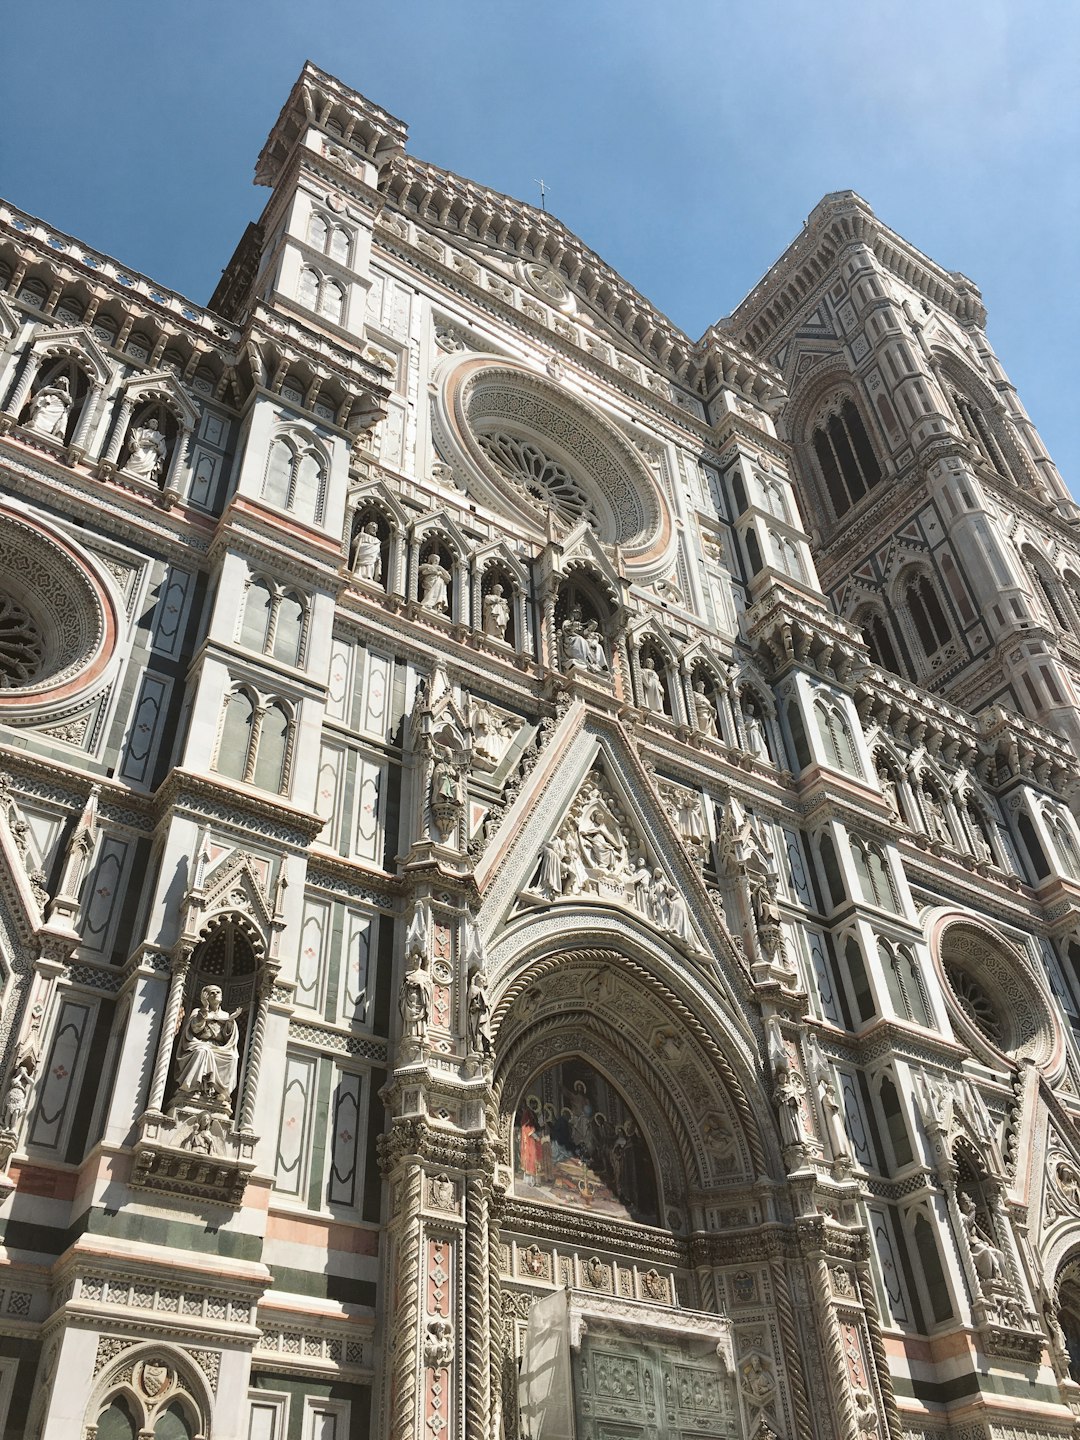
(528, 839)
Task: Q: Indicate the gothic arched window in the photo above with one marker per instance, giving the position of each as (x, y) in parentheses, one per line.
(835, 737)
(273, 622)
(979, 432)
(321, 294)
(928, 617)
(875, 632)
(295, 480)
(875, 881)
(255, 742)
(845, 456)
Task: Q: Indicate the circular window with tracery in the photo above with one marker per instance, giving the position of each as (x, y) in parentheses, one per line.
(534, 451)
(976, 1004)
(58, 621)
(524, 463)
(995, 997)
(22, 647)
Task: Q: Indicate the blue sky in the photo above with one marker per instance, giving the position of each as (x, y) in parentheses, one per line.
(685, 142)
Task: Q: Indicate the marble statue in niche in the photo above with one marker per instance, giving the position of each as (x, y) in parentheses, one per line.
(50, 408)
(496, 613)
(581, 643)
(479, 1016)
(414, 1003)
(146, 450)
(652, 687)
(367, 553)
(705, 710)
(434, 580)
(17, 1095)
(208, 1054)
(576, 1143)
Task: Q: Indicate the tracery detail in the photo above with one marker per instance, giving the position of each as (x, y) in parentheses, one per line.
(525, 464)
(22, 649)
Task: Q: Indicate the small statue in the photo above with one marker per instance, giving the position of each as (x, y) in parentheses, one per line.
(659, 908)
(787, 1097)
(50, 408)
(549, 881)
(988, 1260)
(678, 921)
(652, 687)
(572, 638)
(479, 1008)
(200, 1139)
(146, 450)
(414, 1003)
(18, 1093)
(834, 1125)
(445, 781)
(595, 654)
(367, 553)
(208, 1056)
(434, 578)
(705, 711)
(496, 613)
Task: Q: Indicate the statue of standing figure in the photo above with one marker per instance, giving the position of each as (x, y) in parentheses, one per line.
(434, 579)
(18, 1093)
(652, 687)
(50, 408)
(496, 613)
(208, 1056)
(146, 450)
(704, 710)
(367, 553)
(479, 1007)
(414, 1003)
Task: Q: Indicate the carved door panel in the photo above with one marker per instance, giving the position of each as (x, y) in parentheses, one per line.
(648, 1390)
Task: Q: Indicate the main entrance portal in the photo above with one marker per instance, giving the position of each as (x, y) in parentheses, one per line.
(598, 1369)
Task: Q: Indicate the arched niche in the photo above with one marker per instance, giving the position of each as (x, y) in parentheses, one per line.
(577, 1142)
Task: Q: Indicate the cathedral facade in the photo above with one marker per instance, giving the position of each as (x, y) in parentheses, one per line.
(540, 890)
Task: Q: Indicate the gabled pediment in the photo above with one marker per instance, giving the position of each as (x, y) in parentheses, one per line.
(587, 837)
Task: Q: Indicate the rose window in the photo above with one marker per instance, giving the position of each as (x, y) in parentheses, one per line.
(22, 649)
(525, 464)
(976, 1004)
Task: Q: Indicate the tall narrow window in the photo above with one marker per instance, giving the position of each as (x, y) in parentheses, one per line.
(835, 738)
(273, 743)
(975, 423)
(289, 630)
(317, 232)
(236, 734)
(308, 290)
(256, 624)
(846, 457)
(927, 614)
(879, 642)
(279, 474)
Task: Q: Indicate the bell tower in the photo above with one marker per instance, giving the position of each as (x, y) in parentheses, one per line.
(944, 531)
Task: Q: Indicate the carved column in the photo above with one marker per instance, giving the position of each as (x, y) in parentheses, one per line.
(549, 638)
(836, 1366)
(255, 1050)
(22, 389)
(477, 1310)
(181, 963)
(495, 1310)
(877, 1346)
(406, 1175)
(88, 417)
(789, 1339)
